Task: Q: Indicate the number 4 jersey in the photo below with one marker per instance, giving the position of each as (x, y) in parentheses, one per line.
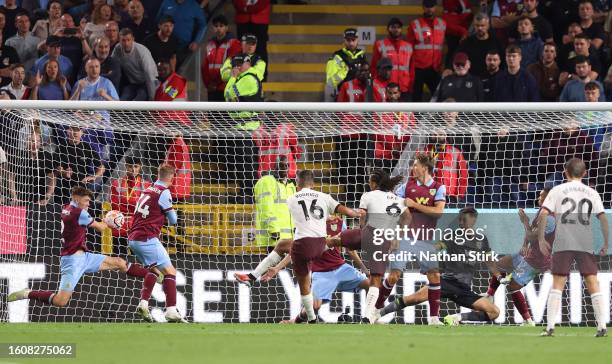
(150, 213)
(384, 208)
(573, 204)
(310, 210)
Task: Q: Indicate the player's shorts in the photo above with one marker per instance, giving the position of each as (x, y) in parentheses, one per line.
(351, 239)
(421, 246)
(374, 254)
(562, 262)
(458, 292)
(522, 272)
(343, 279)
(72, 268)
(150, 253)
(303, 251)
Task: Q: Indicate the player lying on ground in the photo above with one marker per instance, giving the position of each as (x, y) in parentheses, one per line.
(271, 193)
(525, 265)
(330, 273)
(75, 258)
(150, 213)
(572, 204)
(456, 279)
(309, 211)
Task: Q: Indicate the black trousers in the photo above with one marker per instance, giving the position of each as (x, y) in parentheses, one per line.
(261, 32)
(429, 77)
(216, 96)
(242, 163)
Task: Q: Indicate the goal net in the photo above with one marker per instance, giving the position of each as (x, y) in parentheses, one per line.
(494, 157)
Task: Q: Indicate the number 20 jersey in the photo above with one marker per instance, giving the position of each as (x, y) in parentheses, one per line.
(573, 204)
(146, 227)
(309, 211)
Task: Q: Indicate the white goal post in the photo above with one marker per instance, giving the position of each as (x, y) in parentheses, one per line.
(493, 156)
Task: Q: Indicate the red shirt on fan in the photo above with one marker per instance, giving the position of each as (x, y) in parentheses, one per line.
(425, 194)
(178, 156)
(174, 88)
(534, 256)
(150, 215)
(75, 222)
(125, 192)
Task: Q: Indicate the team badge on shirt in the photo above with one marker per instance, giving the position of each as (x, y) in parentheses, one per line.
(432, 191)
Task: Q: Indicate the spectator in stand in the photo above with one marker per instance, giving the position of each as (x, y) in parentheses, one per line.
(277, 139)
(16, 86)
(383, 77)
(189, 25)
(608, 84)
(121, 8)
(503, 15)
(178, 156)
(343, 64)
(426, 34)
(219, 49)
(32, 177)
(573, 91)
(461, 85)
(50, 84)
(78, 163)
(11, 12)
(24, 42)
(163, 44)
(101, 15)
(399, 52)
(530, 43)
(54, 49)
(393, 131)
(8, 57)
(451, 167)
(141, 25)
(137, 68)
(458, 17)
(43, 28)
(2, 23)
(477, 45)
(74, 45)
(124, 195)
(253, 17)
(581, 48)
(487, 78)
(109, 67)
(82, 12)
(567, 45)
(359, 89)
(541, 26)
(515, 84)
(546, 73)
(560, 13)
(152, 8)
(258, 65)
(593, 30)
(111, 31)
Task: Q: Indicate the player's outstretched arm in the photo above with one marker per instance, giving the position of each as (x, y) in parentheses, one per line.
(603, 219)
(434, 211)
(544, 246)
(100, 226)
(357, 261)
(341, 209)
(273, 271)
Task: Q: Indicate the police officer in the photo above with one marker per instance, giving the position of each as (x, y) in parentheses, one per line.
(243, 86)
(249, 45)
(273, 220)
(343, 65)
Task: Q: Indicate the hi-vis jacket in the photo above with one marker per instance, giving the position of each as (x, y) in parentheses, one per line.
(273, 214)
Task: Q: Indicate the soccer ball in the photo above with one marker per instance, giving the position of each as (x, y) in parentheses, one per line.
(114, 219)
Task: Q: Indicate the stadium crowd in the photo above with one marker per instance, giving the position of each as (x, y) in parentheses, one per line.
(476, 51)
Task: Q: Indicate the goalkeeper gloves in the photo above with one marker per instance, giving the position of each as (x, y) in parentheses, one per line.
(506, 280)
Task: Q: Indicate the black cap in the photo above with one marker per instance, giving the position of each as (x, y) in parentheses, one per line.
(249, 38)
(350, 33)
(239, 59)
(394, 21)
(430, 3)
(53, 41)
(384, 63)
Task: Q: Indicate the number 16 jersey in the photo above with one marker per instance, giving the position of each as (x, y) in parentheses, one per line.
(384, 208)
(310, 210)
(573, 204)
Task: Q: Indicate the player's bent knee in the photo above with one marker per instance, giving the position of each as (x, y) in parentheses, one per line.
(394, 276)
(283, 246)
(168, 270)
(492, 312)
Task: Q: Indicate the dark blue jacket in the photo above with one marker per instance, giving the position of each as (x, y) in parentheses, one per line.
(521, 87)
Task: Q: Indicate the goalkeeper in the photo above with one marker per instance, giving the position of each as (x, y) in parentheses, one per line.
(273, 222)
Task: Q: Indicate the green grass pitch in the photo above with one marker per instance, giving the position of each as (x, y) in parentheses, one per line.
(312, 344)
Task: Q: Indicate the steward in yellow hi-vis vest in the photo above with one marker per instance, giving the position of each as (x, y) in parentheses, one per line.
(343, 65)
(273, 218)
(244, 86)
